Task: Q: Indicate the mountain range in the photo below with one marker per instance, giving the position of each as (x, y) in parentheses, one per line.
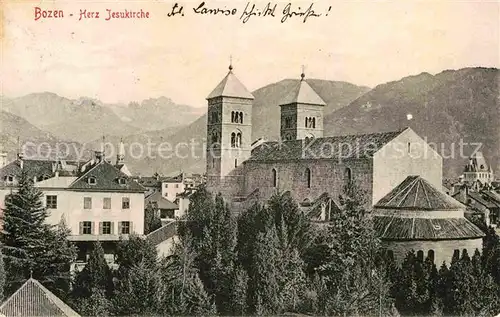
(445, 108)
(86, 119)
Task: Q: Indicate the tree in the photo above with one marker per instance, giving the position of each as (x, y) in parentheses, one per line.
(133, 251)
(152, 219)
(96, 275)
(2, 276)
(354, 274)
(95, 305)
(264, 285)
(32, 247)
(184, 292)
(140, 292)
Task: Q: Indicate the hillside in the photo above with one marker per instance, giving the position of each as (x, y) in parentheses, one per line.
(266, 115)
(39, 144)
(86, 119)
(159, 113)
(445, 108)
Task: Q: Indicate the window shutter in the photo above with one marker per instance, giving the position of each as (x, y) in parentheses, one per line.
(81, 227)
(100, 227)
(131, 226)
(92, 227)
(119, 227)
(112, 227)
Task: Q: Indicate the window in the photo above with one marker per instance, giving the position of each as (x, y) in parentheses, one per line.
(125, 203)
(166, 185)
(122, 181)
(87, 202)
(241, 117)
(176, 185)
(106, 227)
(314, 123)
(233, 139)
(236, 163)
(166, 194)
(92, 180)
(238, 140)
(51, 201)
(420, 255)
(106, 203)
(275, 178)
(348, 175)
(409, 147)
(86, 227)
(430, 255)
(125, 227)
(308, 177)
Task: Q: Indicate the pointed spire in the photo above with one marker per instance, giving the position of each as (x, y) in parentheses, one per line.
(120, 157)
(230, 86)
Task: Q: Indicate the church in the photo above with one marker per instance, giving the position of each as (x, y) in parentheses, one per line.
(304, 162)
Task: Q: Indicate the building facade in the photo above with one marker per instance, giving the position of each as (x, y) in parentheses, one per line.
(478, 171)
(303, 162)
(94, 199)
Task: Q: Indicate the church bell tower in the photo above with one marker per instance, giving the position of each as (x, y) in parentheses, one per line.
(229, 128)
(301, 113)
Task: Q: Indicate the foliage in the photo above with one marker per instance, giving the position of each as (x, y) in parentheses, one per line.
(133, 251)
(31, 246)
(96, 275)
(152, 219)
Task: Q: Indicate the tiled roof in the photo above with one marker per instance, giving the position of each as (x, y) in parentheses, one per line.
(479, 198)
(477, 163)
(302, 93)
(160, 202)
(33, 299)
(416, 193)
(398, 228)
(337, 147)
(323, 203)
(38, 168)
(230, 86)
(106, 179)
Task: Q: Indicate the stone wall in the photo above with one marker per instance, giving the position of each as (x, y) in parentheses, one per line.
(443, 249)
(326, 176)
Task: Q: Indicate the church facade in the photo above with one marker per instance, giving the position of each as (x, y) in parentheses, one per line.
(304, 162)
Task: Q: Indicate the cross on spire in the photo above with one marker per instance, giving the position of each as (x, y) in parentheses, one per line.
(230, 63)
(302, 75)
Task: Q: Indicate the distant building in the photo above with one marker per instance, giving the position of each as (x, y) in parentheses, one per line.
(34, 300)
(96, 200)
(172, 186)
(417, 215)
(485, 202)
(303, 162)
(477, 171)
(163, 207)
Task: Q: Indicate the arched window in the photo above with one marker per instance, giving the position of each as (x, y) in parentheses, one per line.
(241, 117)
(213, 162)
(275, 178)
(215, 137)
(420, 255)
(307, 123)
(430, 255)
(314, 122)
(390, 254)
(238, 140)
(348, 175)
(236, 163)
(233, 139)
(308, 177)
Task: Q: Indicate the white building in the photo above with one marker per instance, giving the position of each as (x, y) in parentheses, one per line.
(95, 199)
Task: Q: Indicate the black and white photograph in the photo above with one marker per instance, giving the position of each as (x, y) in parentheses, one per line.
(249, 158)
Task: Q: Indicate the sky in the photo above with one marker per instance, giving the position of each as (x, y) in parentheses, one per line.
(365, 42)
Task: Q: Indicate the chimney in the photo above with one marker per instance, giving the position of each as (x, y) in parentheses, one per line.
(98, 156)
(20, 157)
(120, 157)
